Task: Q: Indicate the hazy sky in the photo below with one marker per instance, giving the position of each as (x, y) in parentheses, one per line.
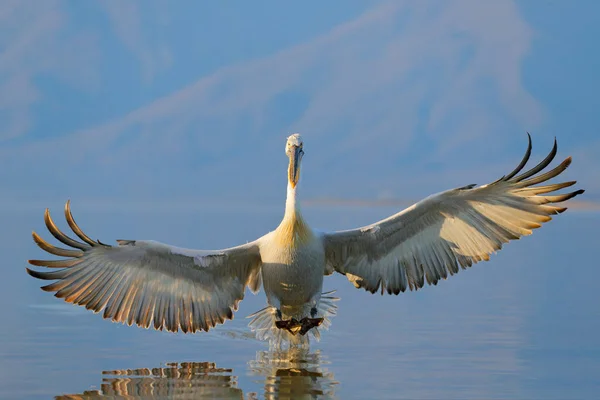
(153, 101)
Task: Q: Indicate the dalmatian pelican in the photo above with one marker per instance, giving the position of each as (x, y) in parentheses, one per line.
(153, 284)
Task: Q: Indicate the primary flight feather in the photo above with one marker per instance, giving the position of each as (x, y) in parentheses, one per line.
(153, 284)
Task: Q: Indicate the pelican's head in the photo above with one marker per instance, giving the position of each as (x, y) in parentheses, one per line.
(293, 149)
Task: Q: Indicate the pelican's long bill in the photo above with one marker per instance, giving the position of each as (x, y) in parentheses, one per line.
(295, 155)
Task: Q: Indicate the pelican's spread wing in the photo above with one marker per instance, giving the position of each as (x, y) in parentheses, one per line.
(149, 283)
(458, 227)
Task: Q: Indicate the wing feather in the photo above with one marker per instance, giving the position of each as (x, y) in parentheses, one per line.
(148, 283)
(449, 231)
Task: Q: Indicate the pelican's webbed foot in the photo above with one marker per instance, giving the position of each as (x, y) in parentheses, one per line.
(309, 323)
(294, 326)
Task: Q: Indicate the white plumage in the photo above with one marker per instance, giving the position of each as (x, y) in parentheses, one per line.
(153, 284)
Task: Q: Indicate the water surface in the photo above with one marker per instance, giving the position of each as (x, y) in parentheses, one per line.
(524, 325)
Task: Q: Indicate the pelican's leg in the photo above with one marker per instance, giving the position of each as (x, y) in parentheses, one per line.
(274, 302)
(291, 325)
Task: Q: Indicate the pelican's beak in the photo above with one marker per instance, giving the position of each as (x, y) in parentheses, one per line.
(294, 168)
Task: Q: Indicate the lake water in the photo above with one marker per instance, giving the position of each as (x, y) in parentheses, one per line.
(524, 325)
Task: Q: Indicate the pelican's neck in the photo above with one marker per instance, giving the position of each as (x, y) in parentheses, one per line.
(293, 230)
(292, 209)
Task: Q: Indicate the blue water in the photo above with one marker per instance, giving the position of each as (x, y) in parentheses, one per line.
(524, 325)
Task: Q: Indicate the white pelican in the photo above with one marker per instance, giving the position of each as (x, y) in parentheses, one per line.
(154, 284)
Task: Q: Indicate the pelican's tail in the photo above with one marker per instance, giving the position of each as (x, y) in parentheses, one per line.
(263, 323)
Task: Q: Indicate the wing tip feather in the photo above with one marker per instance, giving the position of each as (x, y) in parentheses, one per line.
(32, 272)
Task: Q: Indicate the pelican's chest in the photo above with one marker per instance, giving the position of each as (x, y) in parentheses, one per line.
(310, 253)
(292, 248)
(292, 270)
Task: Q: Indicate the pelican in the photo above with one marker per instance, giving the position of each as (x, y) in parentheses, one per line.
(153, 284)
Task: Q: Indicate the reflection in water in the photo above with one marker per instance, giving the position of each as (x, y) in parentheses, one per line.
(176, 381)
(293, 374)
(285, 374)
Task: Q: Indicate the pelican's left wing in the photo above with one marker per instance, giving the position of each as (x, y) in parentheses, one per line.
(149, 283)
(458, 227)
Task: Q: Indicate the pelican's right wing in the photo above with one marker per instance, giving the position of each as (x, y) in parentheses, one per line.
(149, 283)
(456, 228)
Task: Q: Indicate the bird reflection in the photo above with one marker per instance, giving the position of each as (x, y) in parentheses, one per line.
(184, 380)
(293, 373)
